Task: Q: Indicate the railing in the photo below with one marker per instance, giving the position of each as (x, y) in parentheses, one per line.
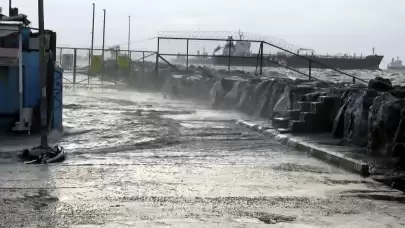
(259, 61)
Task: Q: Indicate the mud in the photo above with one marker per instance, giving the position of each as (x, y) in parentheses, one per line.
(140, 160)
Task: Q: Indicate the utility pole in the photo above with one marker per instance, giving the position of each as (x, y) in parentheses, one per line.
(129, 34)
(92, 33)
(42, 73)
(103, 36)
(9, 8)
(102, 51)
(129, 46)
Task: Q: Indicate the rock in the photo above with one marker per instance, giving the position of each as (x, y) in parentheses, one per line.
(385, 125)
(274, 91)
(258, 95)
(380, 84)
(232, 97)
(217, 93)
(263, 97)
(246, 103)
(351, 121)
(228, 84)
(284, 103)
(398, 91)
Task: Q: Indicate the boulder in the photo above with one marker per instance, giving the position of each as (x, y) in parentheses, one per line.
(263, 98)
(273, 93)
(246, 103)
(398, 91)
(251, 95)
(232, 97)
(351, 121)
(386, 128)
(228, 84)
(217, 94)
(380, 84)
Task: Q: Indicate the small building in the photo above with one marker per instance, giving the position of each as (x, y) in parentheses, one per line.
(20, 90)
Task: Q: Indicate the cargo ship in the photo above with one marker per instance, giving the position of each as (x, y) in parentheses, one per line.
(396, 65)
(238, 53)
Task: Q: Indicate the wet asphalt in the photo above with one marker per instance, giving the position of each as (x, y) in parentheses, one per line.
(142, 160)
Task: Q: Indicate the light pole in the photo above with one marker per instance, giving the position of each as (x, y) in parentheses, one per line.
(43, 105)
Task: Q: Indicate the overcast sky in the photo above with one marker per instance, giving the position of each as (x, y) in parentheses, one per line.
(328, 26)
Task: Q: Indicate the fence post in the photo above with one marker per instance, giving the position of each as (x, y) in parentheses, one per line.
(310, 69)
(229, 56)
(354, 80)
(187, 55)
(130, 63)
(60, 56)
(143, 66)
(261, 58)
(157, 58)
(88, 70)
(116, 66)
(74, 65)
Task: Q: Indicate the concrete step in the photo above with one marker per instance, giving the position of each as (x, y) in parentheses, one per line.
(284, 130)
(308, 116)
(293, 114)
(316, 106)
(329, 100)
(297, 126)
(281, 122)
(304, 106)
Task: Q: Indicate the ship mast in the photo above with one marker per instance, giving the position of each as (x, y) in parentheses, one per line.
(240, 35)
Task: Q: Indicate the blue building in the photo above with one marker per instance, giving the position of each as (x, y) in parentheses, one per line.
(20, 90)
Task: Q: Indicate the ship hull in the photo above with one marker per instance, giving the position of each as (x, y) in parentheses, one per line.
(350, 63)
(400, 68)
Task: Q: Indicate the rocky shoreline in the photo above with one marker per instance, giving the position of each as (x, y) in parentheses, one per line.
(370, 117)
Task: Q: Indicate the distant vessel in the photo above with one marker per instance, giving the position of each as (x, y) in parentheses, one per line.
(396, 65)
(241, 55)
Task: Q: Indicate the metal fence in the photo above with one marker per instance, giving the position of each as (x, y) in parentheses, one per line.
(98, 67)
(186, 51)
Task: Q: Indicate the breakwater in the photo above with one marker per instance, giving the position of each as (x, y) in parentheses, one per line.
(368, 116)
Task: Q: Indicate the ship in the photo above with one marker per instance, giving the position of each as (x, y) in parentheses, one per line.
(238, 53)
(396, 65)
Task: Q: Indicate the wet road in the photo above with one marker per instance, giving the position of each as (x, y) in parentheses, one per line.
(139, 160)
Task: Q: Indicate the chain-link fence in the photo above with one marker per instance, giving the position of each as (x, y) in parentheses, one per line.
(98, 67)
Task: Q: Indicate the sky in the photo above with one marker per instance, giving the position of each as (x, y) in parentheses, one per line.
(328, 26)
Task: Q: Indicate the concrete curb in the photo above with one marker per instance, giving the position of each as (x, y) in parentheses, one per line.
(330, 157)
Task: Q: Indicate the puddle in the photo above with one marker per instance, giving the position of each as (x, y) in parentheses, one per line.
(269, 218)
(290, 167)
(379, 197)
(329, 181)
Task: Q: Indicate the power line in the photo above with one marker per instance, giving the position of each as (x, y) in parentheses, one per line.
(136, 41)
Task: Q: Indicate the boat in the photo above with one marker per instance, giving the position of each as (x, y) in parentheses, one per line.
(238, 53)
(396, 65)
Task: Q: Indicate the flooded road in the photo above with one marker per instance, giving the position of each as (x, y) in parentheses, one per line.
(140, 160)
